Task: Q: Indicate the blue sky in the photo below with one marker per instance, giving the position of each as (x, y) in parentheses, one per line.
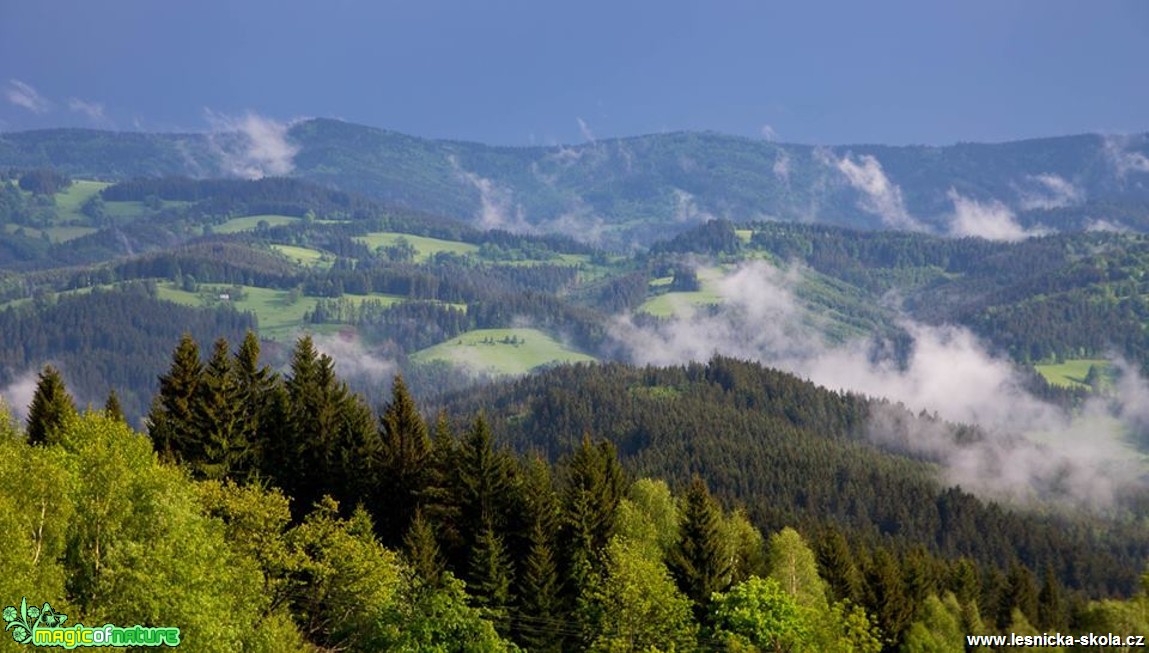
(543, 72)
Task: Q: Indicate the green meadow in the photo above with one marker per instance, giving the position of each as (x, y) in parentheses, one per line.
(502, 351)
(425, 247)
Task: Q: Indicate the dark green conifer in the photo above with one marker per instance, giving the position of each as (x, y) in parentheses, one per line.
(1051, 613)
(700, 562)
(422, 550)
(171, 421)
(224, 450)
(254, 383)
(489, 573)
(403, 467)
(594, 486)
(112, 407)
(538, 582)
(836, 565)
(51, 405)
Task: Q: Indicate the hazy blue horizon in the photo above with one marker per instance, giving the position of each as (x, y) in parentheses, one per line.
(521, 73)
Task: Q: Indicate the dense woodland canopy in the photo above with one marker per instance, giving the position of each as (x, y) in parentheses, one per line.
(719, 506)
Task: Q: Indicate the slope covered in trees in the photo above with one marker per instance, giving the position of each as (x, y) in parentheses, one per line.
(336, 527)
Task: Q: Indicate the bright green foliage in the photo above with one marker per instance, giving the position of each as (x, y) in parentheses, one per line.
(440, 621)
(648, 516)
(351, 580)
(50, 408)
(701, 562)
(1021, 626)
(35, 516)
(938, 628)
(171, 422)
(8, 428)
(758, 615)
(747, 545)
(851, 630)
(633, 605)
(793, 565)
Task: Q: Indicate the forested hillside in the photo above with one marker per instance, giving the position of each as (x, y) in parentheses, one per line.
(523, 525)
(624, 191)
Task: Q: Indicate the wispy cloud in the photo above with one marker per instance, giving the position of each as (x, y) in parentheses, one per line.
(26, 97)
(19, 393)
(768, 132)
(584, 129)
(497, 209)
(1120, 154)
(252, 146)
(93, 110)
(880, 196)
(948, 371)
(686, 209)
(1049, 191)
(989, 220)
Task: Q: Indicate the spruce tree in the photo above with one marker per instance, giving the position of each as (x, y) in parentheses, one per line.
(112, 407)
(404, 462)
(224, 450)
(171, 421)
(594, 486)
(422, 551)
(50, 408)
(255, 384)
(489, 574)
(701, 563)
(1050, 603)
(538, 582)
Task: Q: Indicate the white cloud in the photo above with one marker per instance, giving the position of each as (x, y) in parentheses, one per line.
(1049, 191)
(1107, 226)
(991, 221)
(880, 196)
(686, 208)
(353, 361)
(497, 209)
(93, 110)
(1030, 448)
(24, 96)
(768, 133)
(584, 129)
(252, 146)
(781, 166)
(1120, 154)
(19, 393)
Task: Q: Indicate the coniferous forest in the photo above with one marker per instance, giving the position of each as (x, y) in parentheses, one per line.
(718, 506)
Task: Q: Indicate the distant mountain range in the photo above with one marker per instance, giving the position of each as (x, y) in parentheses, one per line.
(630, 191)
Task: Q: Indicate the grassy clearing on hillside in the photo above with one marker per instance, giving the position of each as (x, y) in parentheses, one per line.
(71, 200)
(306, 255)
(1071, 373)
(425, 247)
(502, 351)
(280, 318)
(64, 234)
(251, 223)
(682, 303)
